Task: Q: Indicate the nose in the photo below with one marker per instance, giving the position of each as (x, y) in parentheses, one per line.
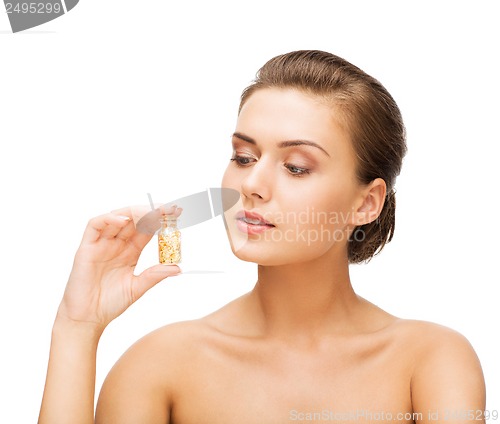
(257, 183)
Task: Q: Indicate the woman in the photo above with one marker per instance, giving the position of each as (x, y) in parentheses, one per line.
(316, 151)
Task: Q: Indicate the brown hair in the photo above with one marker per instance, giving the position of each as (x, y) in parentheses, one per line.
(371, 116)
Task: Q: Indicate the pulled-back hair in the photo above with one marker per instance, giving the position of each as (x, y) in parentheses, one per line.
(367, 111)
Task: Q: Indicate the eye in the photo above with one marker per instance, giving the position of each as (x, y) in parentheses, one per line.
(242, 160)
(296, 171)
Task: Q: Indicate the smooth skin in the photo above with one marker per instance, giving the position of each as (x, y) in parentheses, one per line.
(300, 343)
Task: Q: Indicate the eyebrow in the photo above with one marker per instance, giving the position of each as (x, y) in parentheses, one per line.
(283, 144)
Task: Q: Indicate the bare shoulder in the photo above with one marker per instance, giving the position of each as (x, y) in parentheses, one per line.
(164, 349)
(447, 374)
(150, 377)
(157, 362)
(430, 340)
(431, 344)
(426, 332)
(142, 384)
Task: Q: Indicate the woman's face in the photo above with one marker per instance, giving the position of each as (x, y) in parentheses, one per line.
(295, 170)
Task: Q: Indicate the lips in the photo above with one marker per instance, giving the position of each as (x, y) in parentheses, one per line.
(252, 223)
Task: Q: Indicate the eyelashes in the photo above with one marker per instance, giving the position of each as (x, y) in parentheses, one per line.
(293, 170)
(297, 170)
(242, 161)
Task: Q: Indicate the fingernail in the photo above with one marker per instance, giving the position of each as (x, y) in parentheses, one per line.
(125, 218)
(178, 269)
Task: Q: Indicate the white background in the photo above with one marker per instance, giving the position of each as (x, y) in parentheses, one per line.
(119, 98)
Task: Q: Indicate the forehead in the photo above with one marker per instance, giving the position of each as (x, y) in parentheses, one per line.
(285, 106)
(286, 114)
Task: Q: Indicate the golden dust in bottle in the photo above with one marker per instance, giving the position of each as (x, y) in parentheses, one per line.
(169, 241)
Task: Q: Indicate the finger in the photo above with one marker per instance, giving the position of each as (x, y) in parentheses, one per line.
(111, 231)
(167, 209)
(96, 226)
(177, 212)
(146, 222)
(135, 212)
(152, 276)
(126, 232)
(150, 222)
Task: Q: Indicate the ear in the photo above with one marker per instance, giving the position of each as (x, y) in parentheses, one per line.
(370, 202)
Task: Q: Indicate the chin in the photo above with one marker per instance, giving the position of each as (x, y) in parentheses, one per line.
(275, 255)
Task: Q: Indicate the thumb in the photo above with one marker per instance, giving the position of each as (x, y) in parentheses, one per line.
(152, 276)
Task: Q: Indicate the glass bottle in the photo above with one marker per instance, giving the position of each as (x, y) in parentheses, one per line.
(169, 241)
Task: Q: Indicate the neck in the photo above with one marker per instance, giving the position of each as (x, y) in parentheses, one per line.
(306, 299)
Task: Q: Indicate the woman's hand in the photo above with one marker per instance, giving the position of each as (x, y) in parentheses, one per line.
(102, 284)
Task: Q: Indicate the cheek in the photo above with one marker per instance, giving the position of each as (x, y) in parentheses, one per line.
(228, 179)
(321, 205)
